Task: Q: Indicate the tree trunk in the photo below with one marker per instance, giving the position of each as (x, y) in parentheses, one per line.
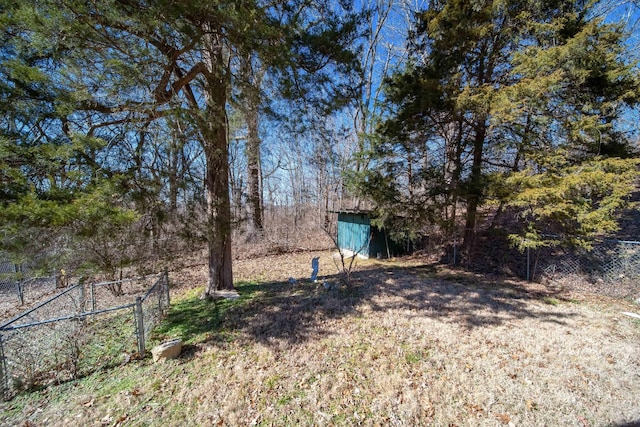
(475, 184)
(252, 76)
(452, 171)
(173, 177)
(253, 165)
(216, 151)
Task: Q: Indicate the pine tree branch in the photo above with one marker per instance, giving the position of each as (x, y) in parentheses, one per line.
(163, 94)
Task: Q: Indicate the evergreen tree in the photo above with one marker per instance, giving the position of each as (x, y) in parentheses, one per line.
(99, 66)
(495, 88)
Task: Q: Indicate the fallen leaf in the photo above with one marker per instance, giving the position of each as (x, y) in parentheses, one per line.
(476, 410)
(120, 420)
(89, 403)
(503, 418)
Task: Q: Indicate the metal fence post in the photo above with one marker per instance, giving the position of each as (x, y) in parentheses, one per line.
(81, 302)
(455, 252)
(166, 289)
(19, 289)
(4, 376)
(139, 325)
(19, 292)
(622, 248)
(528, 264)
(160, 291)
(93, 296)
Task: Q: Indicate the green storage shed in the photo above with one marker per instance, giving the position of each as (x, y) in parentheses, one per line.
(356, 235)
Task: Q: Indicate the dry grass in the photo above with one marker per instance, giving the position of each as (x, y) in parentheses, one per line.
(408, 344)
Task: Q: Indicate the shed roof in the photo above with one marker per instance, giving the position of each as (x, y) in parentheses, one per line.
(353, 211)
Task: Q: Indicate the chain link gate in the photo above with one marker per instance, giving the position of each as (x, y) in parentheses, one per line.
(65, 336)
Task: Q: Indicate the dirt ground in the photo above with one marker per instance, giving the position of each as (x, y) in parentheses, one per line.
(409, 342)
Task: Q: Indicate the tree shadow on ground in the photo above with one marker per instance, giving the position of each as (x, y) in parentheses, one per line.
(296, 312)
(629, 424)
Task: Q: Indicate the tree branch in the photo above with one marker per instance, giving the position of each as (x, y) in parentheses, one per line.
(163, 95)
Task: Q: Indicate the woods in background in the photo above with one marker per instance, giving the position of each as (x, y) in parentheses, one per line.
(126, 124)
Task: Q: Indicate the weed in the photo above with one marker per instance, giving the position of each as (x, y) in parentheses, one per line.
(289, 397)
(551, 301)
(416, 356)
(271, 382)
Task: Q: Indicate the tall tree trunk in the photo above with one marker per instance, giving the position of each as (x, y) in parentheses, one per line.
(173, 176)
(252, 75)
(253, 165)
(475, 184)
(216, 150)
(451, 170)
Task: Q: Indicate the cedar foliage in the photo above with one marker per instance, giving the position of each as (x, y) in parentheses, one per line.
(102, 78)
(513, 103)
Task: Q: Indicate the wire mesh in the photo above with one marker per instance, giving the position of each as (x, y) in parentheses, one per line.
(54, 352)
(8, 271)
(19, 285)
(10, 293)
(611, 267)
(69, 302)
(115, 293)
(155, 304)
(78, 331)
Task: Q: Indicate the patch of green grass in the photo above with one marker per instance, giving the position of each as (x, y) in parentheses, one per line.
(101, 385)
(416, 356)
(271, 382)
(106, 384)
(190, 319)
(195, 320)
(551, 301)
(110, 336)
(17, 405)
(287, 398)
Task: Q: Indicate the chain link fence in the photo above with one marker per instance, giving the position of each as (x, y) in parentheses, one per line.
(611, 267)
(19, 285)
(79, 331)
